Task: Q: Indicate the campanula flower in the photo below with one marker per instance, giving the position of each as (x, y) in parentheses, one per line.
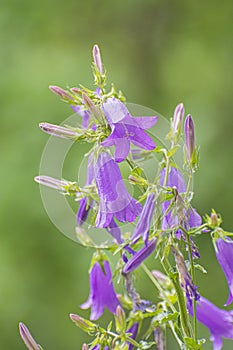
(224, 253)
(102, 293)
(219, 322)
(84, 205)
(115, 200)
(143, 224)
(138, 258)
(126, 129)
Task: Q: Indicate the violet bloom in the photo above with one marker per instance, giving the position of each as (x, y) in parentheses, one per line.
(126, 129)
(138, 258)
(133, 330)
(219, 322)
(143, 224)
(224, 255)
(102, 293)
(115, 200)
(178, 215)
(84, 206)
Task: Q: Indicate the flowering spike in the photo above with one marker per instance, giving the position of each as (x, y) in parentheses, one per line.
(115, 201)
(102, 293)
(59, 131)
(139, 257)
(189, 138)
(219, 322)
(27, 338)
(97, 58)
(61, 92)
(224, 253)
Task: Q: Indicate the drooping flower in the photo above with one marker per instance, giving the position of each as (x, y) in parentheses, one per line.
(219, 322)
(84, 205)
(178, 215)
(102, 293)
(126, 129)
(115, 200)
(224, 254)
(143, 224)
(139, 257)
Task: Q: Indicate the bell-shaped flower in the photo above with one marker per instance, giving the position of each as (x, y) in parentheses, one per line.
(133, 330)
(102, 293)
(84, 205)
(143, 225)
(224, 253)
(138, 258)
(219, 322)
(178, 215)
(126, 129)
(115, 200)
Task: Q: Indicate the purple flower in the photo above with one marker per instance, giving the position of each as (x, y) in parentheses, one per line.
(189, 137)
(143, 225)
(219, 322)
(84, 206)
(126, 129)
(178, 215)
(114, 231)
(102, 293)
(84, 113)
(224, 255)
(115, 200)
(133, 330)
(139, 257)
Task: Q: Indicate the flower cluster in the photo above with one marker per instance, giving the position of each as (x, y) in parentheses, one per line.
(160, 219)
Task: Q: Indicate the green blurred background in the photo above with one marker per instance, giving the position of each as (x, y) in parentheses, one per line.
(159, 53)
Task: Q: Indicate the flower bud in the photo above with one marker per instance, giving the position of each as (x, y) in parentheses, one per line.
(27, 338)
(85, 347)
(189, 138)
(82, 323)
(51, 182)
(177, 118)
(61, 92)
(97, 58)
(120, 319)
(59, 131)
(92, 108)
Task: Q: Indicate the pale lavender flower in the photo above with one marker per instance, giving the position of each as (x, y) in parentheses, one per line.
(189, 137)
(102, 293)
(138, 258)
(143, 224)
(126, 129)
(27, 338)
(115, 200)
(178, 215)
(219, 322)
(224, 255)
(84, 205)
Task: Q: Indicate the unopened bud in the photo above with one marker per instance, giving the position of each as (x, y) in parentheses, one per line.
(159, 338)
(27, 338)
(92, 108)
(163, 279)
(178, 118)
(189, 137)
(134, 179)
(85, 347)
(82, 323)
(120, 319)
(76, 91)
(97, 58)
(59, 131)
(51, 182)
(61, 92)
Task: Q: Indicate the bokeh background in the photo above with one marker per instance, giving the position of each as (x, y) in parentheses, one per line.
(159, 53)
